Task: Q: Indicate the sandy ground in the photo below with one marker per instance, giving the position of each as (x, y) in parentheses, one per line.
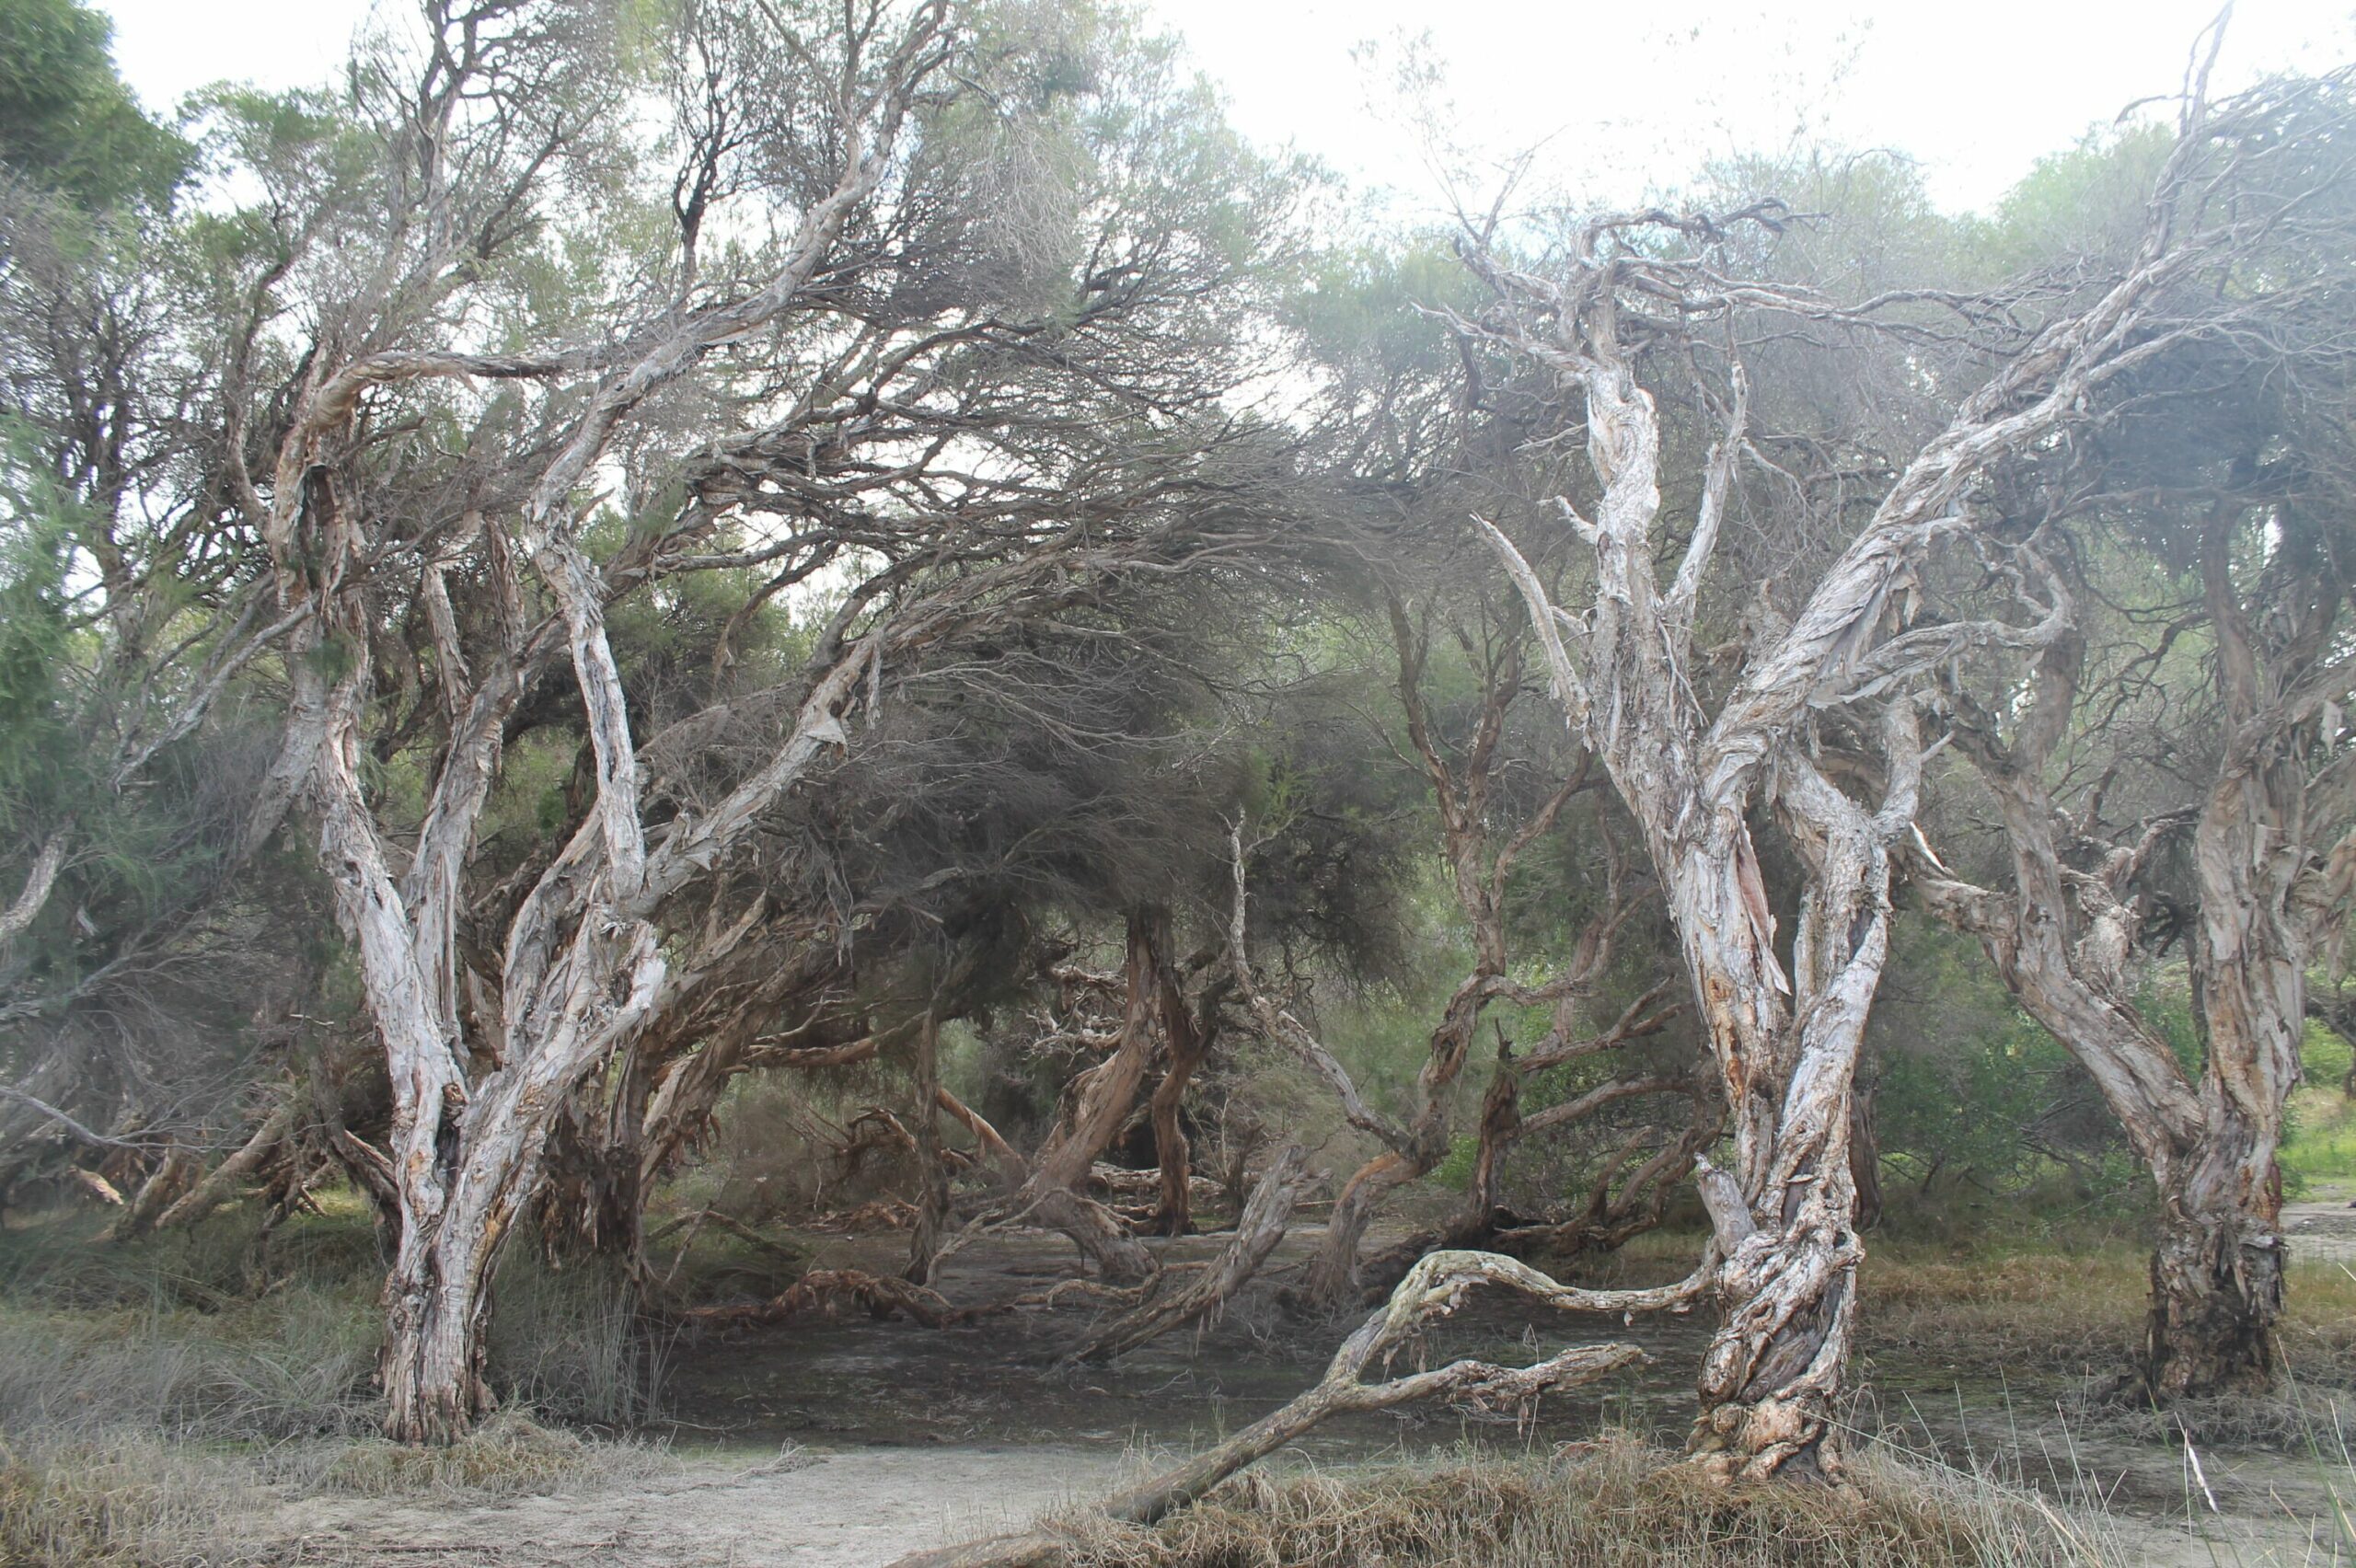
(809, 1509)
(862, 1509)
(845, 1445)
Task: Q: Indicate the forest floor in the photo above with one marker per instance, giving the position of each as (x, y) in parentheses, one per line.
(828, 1445)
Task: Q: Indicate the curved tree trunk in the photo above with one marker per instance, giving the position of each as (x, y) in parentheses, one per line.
(1056, 1192)
(1186, 1044)
(1332, 1279)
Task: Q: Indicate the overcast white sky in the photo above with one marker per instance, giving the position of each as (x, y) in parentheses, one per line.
(1619, 91)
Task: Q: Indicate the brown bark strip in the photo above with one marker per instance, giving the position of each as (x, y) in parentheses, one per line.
(1057, 1191)
(1185, 1036)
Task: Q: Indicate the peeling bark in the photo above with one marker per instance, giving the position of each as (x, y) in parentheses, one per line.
(582, 967)
(1786, 1046)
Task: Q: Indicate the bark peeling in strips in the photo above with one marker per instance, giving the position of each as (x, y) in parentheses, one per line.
(1785, 1249)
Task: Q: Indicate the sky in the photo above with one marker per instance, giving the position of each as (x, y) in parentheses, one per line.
(1617, 97)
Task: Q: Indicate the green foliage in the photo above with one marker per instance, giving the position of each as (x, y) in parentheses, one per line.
(2091, 201)
(66, 121)
(1976, 1105)
(2319, 1146)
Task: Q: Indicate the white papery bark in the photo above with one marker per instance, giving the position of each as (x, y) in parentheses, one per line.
(583, 966)
(1784, 1046)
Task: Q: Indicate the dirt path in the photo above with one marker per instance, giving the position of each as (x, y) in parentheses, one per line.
(2322, 1229)
(852, 1508)
(849, 1443)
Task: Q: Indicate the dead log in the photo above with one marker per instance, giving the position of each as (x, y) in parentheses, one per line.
(172, 1176)
(821, 1290)
(1435, 1288)
(1256, 1235)
(215, 1189)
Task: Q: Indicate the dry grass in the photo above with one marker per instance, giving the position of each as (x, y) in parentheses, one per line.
(121, 1500)
(1613, 1504)
(508, 1456)
(153, 1410)
(2072, 1314)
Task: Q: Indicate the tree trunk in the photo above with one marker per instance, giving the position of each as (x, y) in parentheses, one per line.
(1056, 1194)
(437, 1305)
(2216, 1300)
(1500, 1125)
(1865, 1158)
(932, 1178)
(1334, 1277)
(1185, 1044)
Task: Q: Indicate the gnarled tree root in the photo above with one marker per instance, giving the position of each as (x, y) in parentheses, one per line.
(1433, 1289)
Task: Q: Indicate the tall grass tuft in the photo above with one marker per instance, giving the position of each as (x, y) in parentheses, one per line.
(1617, 1503)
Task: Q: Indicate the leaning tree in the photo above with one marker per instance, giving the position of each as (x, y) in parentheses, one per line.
(2170, 764)
(909, 346)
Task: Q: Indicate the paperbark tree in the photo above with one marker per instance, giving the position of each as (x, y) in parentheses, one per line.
(978, 428)
(2218, 476)
(583, 970)
(2064, 934)
(1626, 672)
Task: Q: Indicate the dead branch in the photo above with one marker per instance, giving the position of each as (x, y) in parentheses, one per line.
(1256, 1235)
(1436, 1287)
(824, 1290)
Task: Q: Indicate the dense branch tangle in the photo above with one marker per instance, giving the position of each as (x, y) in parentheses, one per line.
(2247, 523)
(1465, 786)
(494, 1009)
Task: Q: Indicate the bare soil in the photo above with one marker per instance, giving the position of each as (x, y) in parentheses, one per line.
(2322, 1229)
(813, 1445)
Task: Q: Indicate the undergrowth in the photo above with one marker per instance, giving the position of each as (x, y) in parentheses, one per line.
(157, 1396)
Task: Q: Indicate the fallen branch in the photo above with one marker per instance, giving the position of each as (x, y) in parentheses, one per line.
(823, 1289)
(94, 1140)
(1264, 1220)
(1435, 1288)
(217, 1185)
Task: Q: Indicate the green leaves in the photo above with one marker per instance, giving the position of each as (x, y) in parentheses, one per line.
(66, 121)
